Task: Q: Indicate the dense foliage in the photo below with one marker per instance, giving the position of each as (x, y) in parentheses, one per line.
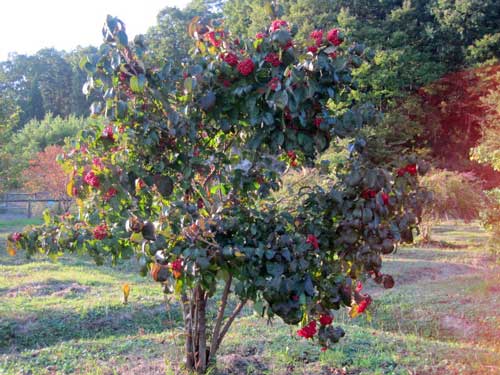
(181, 174)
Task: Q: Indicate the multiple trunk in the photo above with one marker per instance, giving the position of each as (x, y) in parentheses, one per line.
(198, 354)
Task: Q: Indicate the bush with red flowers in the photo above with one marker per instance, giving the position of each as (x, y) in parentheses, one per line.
(198, 164)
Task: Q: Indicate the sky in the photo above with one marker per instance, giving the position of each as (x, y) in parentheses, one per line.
(27, 26)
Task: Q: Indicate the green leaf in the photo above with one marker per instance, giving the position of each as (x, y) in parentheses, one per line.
(137, 83)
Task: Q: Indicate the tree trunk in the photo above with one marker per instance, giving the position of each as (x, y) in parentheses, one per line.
(198, 355)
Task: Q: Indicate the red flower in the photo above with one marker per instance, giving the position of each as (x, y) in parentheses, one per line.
(101, 232)
(230, 58)
(288, 115)
(246, 67)
(226, 83)
(368, 194)
(215, 37)
(359, 286)
(410, 169)
(324, 349)
(97, 162)
(317, 121)
(308, 331)
(333, 55)
(312, 49)
(274, 83)
(364, 304)
(16, 236)
(74, 191)
(236, 41)
(294, 163)
(176, 267)
(272, 59)
(291, 154)
(317, 35)
(110, 194)
(288, 44)
(333, 37)
(325, 319)
(122, 77)
(311, 238)
(385, 198)
(91, 179)
(278, 24)
(295, 298)
(260, 36)
(107, 133)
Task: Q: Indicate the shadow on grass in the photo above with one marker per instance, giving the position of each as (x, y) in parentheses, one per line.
(49, 326)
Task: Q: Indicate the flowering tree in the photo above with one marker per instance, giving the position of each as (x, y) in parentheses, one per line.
(185, 172)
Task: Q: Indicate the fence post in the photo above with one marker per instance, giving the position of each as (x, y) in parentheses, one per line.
(29, 209)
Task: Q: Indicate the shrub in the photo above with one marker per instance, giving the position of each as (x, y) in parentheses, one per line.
(182, 172)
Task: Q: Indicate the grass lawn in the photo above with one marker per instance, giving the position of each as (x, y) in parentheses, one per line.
(443, 317)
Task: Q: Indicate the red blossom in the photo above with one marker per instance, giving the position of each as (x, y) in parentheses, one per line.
(110, 194)
(122, 77)
(272, 59)
(410, 169)
(291, 154)
(215, 37)
(312, 49)
(317, 35)
(295, 298)
(16, 236)
(288, 115)
(317, 121)
(274, 83)
(107, 133)
(100, 232)
(311, 239)
(176, 267)
(97, 162)
(359, 286)
(333, 37)
(230, 58)
(74, 191)
(288, 44)
(368, 194)
(91, 179)
(294, 163)
(260, 36)
(324, 349)
(308, 331)
(333, 55)
(363, 305)
(226, 83)
(385, 198)
(278, 24)
(325, 319)
(246, 67)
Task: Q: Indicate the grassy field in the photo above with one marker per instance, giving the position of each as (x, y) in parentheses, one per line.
(443, 317)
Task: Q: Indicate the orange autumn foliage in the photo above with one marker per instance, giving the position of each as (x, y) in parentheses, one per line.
(44, 174)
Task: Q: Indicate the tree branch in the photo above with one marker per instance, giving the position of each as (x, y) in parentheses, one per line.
(233, 315)
(220, 318)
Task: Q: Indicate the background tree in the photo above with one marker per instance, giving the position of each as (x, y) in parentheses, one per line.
(45, 174)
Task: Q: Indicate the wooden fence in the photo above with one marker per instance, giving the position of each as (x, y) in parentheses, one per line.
(22, 203)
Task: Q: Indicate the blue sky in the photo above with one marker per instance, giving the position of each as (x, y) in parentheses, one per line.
(29, 25)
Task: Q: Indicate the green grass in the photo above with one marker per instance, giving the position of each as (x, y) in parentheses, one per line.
(68, 318)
